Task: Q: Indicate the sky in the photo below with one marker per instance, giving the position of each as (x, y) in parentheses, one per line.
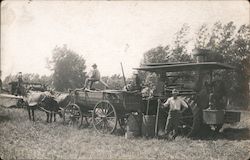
(103, 32)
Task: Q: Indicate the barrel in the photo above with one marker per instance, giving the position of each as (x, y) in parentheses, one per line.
(133, 125)
(148, 125)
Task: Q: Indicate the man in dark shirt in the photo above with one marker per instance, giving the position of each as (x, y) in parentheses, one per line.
(19, 83)
(218, 93)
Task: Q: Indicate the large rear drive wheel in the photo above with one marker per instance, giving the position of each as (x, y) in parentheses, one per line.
(197, 127)
(104, 117)
(72, 115)
(191, 120)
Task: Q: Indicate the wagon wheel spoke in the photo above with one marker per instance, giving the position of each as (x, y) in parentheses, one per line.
(111, 123)
(105, 128)
(108, 127)
(72, 115)
(99, 122)
(99, 125)
(110, 113)
(111, 118)
(106, 121)
(107, 109)
(103, 108)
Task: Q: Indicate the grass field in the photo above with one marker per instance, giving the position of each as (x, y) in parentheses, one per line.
(22, 139)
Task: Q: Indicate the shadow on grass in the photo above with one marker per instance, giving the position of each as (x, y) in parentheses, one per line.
(227, 134)
(4, 118)
(236, 133)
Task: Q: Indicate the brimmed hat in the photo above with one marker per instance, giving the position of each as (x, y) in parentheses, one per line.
(175, 91)
(94, 65)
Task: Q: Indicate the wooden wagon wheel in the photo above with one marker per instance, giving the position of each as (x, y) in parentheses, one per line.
(104, 117)
(72, 115)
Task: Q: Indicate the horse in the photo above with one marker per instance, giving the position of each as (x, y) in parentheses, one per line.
(43, 100)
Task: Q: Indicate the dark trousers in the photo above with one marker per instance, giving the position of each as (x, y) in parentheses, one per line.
(172, 121)
(216, 101)
(91, 80)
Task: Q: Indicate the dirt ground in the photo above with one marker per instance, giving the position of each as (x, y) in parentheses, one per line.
(23, 139)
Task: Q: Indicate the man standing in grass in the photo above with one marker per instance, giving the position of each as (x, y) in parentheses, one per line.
(174, 104)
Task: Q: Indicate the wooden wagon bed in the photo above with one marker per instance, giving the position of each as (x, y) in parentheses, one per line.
(105, 107)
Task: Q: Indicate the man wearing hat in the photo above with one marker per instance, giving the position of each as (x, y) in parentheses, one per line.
(94, 75)
(174, 104)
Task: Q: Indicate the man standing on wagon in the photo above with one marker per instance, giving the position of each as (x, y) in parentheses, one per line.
(94, 75)
(174, 103)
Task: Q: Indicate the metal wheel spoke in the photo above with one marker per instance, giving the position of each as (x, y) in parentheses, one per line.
(111, 122)
(104, 117)
(110, 113)
(108, 126)
(111, 117)
(73, 115)
(99, 122)
(103, 127)
(102, 109)
(107, 111)
(99, 126)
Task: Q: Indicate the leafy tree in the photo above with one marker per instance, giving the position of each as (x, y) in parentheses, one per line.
(226, 43)
(156, 55)
(68, 68)
(176, 53)
(179, 51)
(160, 54)
(231, 46)
(115, 82)
(202, 37)
(29, 78)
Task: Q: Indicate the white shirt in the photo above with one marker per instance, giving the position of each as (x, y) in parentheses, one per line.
(175, 104)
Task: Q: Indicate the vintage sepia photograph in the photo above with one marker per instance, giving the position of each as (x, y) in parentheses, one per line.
(125, 80)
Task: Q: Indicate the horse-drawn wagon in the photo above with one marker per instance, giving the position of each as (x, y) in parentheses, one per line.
(105, 108)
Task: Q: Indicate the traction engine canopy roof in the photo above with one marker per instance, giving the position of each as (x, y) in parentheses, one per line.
(183, 66)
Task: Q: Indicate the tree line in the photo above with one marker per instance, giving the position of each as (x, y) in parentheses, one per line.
(227, 42)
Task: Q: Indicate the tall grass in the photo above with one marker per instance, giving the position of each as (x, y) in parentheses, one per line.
(23, 139)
